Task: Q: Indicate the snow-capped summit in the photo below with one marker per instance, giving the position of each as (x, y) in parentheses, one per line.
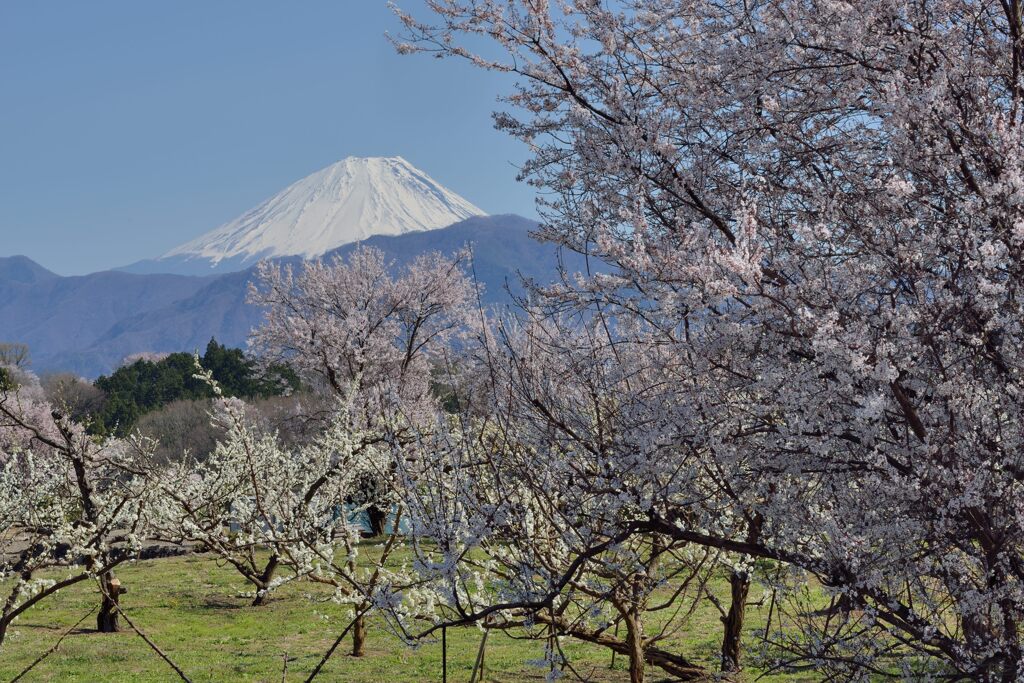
(346, 202)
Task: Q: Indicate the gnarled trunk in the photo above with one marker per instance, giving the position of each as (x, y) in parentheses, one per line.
(732, 640)
(635, 644)
(263, 582)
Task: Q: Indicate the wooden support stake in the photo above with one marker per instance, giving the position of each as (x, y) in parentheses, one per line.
(444, 654)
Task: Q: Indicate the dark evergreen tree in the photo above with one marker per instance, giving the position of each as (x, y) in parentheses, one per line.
(143, 386)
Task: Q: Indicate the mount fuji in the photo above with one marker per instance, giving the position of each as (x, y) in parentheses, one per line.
(349, 201)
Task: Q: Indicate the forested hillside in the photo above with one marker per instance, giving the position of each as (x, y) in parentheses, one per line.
(146, 385)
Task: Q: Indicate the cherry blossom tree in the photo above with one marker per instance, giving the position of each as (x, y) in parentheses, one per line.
(363, 320)
(363, 331)
(815, 216)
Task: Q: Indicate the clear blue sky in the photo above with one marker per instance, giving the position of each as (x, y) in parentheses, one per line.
(128, 127)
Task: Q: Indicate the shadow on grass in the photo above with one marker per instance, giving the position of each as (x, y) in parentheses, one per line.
(223, 603)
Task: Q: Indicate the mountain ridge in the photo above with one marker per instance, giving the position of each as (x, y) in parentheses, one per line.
(22, 269)
(87, 324)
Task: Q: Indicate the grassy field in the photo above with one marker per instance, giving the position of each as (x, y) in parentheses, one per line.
(191, 607)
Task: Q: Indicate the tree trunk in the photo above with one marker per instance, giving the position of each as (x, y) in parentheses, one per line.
(262, 594)
(1011, 665)
(733, 638)
(635, 645)
(9, 606)
(359, 637)
(1010, 670)
(108, 621)
(377, 518)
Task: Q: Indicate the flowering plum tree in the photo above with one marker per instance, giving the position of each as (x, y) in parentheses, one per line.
(68, 502)
(373, 339)
(244, 503)
(557, 480)
(278, 514)
(815, 212)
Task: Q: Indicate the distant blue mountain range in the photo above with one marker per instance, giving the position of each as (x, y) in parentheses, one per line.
(88, 324)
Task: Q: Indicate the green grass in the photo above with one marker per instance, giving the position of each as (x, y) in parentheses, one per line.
(192, 608)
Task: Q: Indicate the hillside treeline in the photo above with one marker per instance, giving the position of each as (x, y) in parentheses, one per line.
(159, 396)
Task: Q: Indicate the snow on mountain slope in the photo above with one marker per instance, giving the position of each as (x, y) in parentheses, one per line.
(346, 202)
